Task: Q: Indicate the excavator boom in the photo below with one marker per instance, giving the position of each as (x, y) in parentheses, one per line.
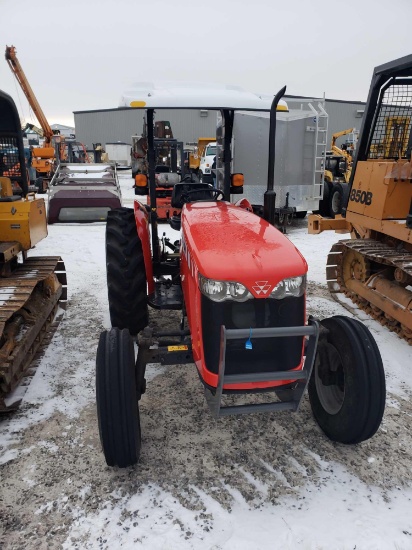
(18, 72)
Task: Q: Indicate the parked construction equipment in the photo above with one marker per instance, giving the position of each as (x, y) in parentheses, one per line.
(169, 164)
(374, 267)
(198, 157)
(241, 287)
(338, 167)
(31, 288)
(43, 157)
(54, 148)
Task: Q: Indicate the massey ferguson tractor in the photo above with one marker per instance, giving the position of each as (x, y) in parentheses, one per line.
(240, 285)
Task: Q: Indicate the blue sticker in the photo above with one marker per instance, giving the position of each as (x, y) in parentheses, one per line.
(248, 344)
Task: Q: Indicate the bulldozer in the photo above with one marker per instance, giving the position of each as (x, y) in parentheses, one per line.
(31, 288)
(240, 287)
(374, 267)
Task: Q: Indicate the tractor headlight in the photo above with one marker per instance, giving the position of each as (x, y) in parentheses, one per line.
(294, 286)
(218, 291)
(238, 292)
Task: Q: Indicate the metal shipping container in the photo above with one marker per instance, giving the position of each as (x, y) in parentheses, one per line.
(300, 152)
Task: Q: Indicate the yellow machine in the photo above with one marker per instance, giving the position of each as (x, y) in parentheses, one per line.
(346, 151)
(338, 168)
(341, 168)
(43, 157)
(31, 288)
(374, 267)
(56, 148)
(197, 152)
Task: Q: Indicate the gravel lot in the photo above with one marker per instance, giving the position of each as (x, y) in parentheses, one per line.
(57, 492)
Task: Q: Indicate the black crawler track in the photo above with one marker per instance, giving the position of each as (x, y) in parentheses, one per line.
(30, 295)
(396, 318)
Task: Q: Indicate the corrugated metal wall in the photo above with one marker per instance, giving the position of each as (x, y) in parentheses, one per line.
(342, 116)
(111, 125)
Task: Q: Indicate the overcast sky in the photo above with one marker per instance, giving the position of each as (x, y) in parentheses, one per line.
(83, 54)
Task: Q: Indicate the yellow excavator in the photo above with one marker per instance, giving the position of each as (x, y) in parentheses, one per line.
(374, 267)
(31, 288)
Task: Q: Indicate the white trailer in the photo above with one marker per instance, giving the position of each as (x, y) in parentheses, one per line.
(300, 149)
(118, 152)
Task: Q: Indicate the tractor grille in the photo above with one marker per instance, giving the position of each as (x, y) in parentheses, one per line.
(391, 138)
(267, 354)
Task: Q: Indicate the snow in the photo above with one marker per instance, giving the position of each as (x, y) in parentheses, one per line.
(333, 518)
(332, 509)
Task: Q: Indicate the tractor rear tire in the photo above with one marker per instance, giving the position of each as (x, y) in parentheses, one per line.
(126, 273)
(116, 397)
(347, 388)
(336, 200)
(324, 203)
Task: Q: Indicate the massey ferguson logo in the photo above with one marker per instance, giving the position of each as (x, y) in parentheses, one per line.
(262, 287)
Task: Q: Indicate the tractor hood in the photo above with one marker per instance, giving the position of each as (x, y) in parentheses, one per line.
(228, 243)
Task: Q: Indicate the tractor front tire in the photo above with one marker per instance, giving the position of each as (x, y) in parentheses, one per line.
(126, 273)
(116, 397)
(347, 388)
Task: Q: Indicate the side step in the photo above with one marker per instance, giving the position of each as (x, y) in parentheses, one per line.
(214, 399)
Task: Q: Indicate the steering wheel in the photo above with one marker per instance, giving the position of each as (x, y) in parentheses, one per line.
(215, 194)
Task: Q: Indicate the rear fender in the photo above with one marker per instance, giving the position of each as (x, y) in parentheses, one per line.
(142, 225)
(245, 204)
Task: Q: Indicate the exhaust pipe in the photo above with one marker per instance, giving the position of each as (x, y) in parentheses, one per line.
(270, 195)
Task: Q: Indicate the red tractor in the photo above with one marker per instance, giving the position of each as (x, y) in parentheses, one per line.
(241, 287)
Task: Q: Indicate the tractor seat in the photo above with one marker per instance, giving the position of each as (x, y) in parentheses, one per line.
(180, 190)
(180, 197)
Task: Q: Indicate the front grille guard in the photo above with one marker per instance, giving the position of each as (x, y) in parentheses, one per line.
(214, 399)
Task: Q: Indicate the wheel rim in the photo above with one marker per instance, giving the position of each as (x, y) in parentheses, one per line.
(331, 396)
(355, 267)
(336, 203)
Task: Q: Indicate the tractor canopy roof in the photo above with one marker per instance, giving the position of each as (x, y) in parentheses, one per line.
(184, 95)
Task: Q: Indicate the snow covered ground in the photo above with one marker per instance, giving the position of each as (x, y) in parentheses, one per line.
(254, 482)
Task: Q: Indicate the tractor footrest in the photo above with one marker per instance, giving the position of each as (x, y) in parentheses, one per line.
(299, 378)
(166, 297)
(174, 354)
